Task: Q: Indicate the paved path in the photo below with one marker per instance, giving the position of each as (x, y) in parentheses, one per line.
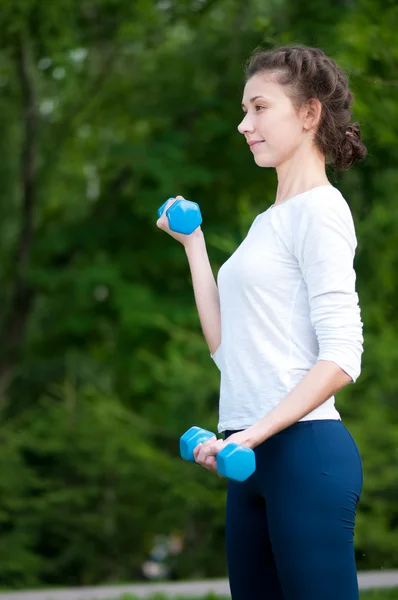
(192, 589)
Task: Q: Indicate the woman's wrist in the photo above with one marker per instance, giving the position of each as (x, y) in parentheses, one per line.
(257, 434)
(194, 241)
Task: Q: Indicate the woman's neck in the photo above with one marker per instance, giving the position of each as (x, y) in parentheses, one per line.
(301, 173)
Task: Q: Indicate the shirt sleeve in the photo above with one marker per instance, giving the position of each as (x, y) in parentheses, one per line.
(325, 245)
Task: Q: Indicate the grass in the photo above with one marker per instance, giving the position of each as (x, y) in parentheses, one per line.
(380, 595)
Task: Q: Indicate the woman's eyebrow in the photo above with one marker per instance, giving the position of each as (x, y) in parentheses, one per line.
(253, 100)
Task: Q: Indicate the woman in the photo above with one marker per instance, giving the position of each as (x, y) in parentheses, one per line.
(284, 327)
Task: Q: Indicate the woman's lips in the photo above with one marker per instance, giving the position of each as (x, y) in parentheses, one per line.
(253, 144)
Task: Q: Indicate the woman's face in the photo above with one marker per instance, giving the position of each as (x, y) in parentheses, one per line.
(271, 121)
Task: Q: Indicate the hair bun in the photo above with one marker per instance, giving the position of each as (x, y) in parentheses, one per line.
(353, 130)
(351, 148)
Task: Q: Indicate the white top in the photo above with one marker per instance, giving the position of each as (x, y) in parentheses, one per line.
(288, 299)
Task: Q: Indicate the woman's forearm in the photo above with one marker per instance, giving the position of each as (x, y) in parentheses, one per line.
(321, 382)
(205, 290)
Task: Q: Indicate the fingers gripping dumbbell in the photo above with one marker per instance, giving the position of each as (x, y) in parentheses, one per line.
(233, 461)
(184, 216)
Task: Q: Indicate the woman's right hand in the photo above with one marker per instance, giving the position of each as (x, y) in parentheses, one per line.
(163, 223)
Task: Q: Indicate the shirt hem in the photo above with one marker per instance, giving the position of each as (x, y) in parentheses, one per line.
(234, 426)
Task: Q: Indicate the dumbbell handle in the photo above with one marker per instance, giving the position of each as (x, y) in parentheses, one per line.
(243, 458)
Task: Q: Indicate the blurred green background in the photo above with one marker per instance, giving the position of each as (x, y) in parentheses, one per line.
(108, 108)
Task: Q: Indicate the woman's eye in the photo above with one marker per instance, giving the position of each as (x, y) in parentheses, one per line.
(257, 107)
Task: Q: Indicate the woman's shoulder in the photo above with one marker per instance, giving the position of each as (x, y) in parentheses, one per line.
(322, 205)
(319, 199)
(316, 201)
(315, 214)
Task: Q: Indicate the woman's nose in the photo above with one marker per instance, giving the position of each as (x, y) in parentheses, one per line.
(245, 125)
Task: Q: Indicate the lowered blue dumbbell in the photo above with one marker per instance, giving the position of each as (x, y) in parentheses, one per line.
(234, 461)
(184, 216)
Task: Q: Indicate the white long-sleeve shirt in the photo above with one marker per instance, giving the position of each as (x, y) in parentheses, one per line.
(288, 299)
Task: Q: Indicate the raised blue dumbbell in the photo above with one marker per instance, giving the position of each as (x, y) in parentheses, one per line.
(233, 461)
(184, 216)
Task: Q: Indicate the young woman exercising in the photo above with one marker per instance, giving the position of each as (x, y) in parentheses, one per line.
(284, 327)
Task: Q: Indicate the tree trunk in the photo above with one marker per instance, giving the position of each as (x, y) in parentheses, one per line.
(22, 296)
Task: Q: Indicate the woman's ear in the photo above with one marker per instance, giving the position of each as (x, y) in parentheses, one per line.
(312, 111)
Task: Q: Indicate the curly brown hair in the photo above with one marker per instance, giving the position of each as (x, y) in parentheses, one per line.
(309, 73)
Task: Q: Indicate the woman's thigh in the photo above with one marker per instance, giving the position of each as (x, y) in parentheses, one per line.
(251, 566)
(312, 491)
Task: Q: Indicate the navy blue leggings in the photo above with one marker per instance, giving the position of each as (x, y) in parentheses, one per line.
(290, 526)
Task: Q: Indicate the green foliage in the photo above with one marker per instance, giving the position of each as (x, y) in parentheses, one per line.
(107, 109)
(380, 595)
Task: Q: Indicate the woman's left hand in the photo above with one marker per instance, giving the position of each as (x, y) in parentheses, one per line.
(206, 454)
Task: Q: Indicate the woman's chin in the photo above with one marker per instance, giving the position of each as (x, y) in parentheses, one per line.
(264, 161)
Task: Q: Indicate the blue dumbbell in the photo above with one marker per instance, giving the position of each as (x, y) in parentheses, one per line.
(234, 462)
(184, 216)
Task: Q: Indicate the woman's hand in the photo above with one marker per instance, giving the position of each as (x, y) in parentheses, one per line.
(206, 454)
(163, 223)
